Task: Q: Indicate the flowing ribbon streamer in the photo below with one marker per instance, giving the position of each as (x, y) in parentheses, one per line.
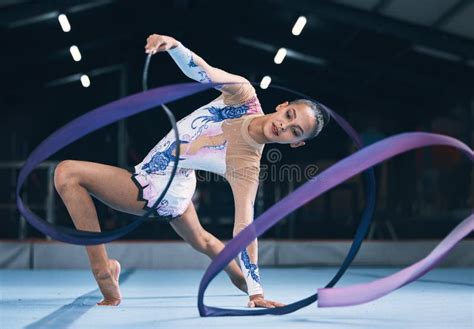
(361, 232)
(84, 125)
(331, 177)
(363, 293)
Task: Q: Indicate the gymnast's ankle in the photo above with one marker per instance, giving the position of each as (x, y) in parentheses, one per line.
(102, 272)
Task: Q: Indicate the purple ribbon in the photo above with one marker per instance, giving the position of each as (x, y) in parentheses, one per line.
(82, 126)
(363, 293)
(331, 177)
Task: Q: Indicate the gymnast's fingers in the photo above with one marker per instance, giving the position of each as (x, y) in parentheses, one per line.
(151, 47)
(271, 304)
(153, 42)
(276, 304)
(264, 303)
(161, 46)
(149, 43)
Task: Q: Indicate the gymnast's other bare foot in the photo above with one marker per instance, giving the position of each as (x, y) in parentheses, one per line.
(108, 281)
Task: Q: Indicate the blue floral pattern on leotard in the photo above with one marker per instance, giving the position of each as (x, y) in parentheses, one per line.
(249, 266)
(217, 147)
(161, 160)
(203, 75)
(221, 114)
(191, 62)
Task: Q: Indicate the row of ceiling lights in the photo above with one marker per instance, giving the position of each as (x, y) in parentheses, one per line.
(281, 53)
(264, 83)
(74, 50)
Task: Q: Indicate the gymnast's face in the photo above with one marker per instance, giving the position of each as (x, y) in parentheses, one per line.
(289, 124)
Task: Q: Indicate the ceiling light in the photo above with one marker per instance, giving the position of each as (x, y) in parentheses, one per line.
(64, 23)
(299, 25)
(86, 82)
(265, 82)
(76, 54)
(280, 56)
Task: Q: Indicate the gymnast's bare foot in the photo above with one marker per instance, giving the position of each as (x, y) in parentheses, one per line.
(108, 281)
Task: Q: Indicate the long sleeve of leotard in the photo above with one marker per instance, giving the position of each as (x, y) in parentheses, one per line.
(196, 68)
(244, 184)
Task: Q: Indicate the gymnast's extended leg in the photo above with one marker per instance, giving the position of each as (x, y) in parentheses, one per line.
(75, 181)
(189, 228)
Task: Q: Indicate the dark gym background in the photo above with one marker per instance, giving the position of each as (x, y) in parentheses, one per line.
(387, 66)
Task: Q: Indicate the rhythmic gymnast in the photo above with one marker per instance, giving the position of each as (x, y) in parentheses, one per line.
(226, 137)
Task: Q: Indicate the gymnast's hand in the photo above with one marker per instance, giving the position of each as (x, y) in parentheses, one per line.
(156, 43)
(260, 301)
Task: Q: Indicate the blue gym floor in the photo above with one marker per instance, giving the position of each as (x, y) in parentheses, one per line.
(444, 298)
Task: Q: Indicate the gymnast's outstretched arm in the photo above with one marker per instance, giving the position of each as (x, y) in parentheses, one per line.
(244, 188)
(194, 66)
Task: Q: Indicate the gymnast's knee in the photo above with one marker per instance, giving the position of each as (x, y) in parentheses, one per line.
(203, 243)
(66, 175)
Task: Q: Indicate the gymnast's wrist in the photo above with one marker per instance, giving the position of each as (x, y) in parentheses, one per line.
(174, 44)
(256, 296)
(254, 290)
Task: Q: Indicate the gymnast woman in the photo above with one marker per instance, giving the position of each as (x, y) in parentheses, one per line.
(225, 137)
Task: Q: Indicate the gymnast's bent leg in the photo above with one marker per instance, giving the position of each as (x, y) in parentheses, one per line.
(189, 228)
(76, 181)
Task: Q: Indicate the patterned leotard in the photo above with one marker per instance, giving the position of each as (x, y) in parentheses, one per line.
(213, 138)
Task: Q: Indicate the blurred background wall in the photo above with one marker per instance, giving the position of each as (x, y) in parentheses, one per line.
(388, 66)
